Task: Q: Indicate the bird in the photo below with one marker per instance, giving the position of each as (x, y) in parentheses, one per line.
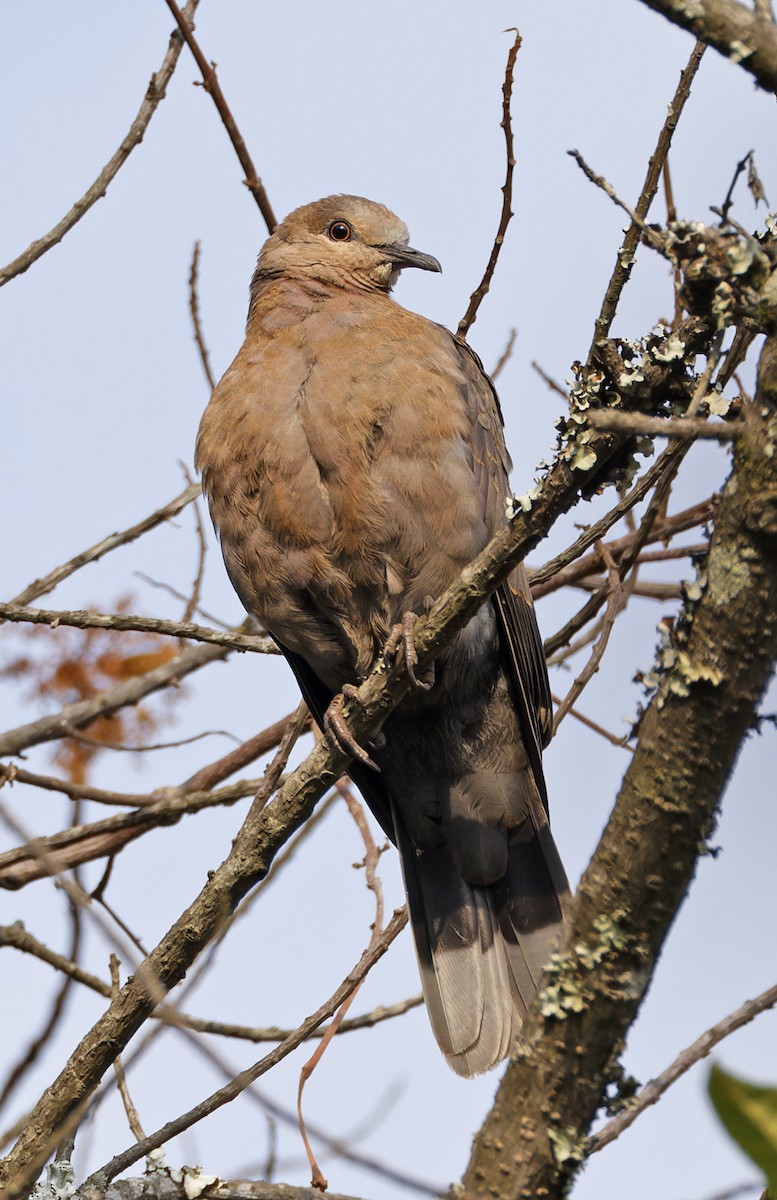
(354, 462)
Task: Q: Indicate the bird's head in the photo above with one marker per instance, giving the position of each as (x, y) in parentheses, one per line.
(345, 241)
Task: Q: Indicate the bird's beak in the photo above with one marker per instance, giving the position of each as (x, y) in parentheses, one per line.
(406, 256)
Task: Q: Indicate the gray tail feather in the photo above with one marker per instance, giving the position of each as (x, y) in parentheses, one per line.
(482, 949)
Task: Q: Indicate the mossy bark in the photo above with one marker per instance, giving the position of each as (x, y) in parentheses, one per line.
(534, 1140)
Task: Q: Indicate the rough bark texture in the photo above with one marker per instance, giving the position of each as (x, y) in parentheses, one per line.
(733, 29)
(534, 1140)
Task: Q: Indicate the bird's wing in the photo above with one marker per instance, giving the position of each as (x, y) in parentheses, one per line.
(520, 639)
(318, 697)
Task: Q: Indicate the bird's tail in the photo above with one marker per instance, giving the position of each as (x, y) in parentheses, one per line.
(482, 949)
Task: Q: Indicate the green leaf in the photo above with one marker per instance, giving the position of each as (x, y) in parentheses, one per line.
(749, 1113)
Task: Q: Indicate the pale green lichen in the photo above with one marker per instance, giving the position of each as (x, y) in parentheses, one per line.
(729, 575)
(632, 375)
(718, 405)
(567, 1145)
(739, 51)
(611, 936)
(59, 1184)
(741, 255)
(564, 992)
(673, 347)
(195, 1181)
(698, 672)
(522, 503)
(723, 304)
(583, 459)
(155, 1162)
(686, 673)
(559, 999)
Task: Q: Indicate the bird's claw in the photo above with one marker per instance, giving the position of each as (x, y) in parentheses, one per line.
(403, 634)
(338, 733)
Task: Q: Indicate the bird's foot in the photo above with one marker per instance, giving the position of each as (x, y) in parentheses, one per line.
(402, 634)
(338, 733)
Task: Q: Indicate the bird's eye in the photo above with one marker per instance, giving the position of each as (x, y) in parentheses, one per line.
(339, 231)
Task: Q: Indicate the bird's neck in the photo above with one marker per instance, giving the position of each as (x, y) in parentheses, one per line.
(285, 299)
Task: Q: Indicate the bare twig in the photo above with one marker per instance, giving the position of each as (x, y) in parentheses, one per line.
(48, 582)
(550, 382)
(225, 1094)
(650, 235)
(194, 309)
(76, 791)
(617, 597)
(84, 619)
(279, 863)
(128, 748)
(741, 166)
(505, 356)
(575, 623)
(82, 712)
(273, 1033)
(371, 858)
(143, 972)
(193, 601)
(584, 567)
(661, 473)
(121, 1080)
(85, 843)
(594, 533)
(668, 427)
(212, 86)
(335, 1145)
(253, 748)
(57, 1009)
(155, 93)
(481, 290)
(645, 589)
(671, 217)
(17, 936)
(620, 742)
(162, 586)
(654, 1090)
(299, 721)
(625, 258)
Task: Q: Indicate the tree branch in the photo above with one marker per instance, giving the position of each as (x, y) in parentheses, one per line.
(160, 1186)
(668, 427)
(244, 1078)
(213, 87)
(155, 93)
(625, 257)
(652, 1092)
(82, 712)
(85, 619)
(194, 309)
(475, 300)
(47, 583)
(740, 34)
